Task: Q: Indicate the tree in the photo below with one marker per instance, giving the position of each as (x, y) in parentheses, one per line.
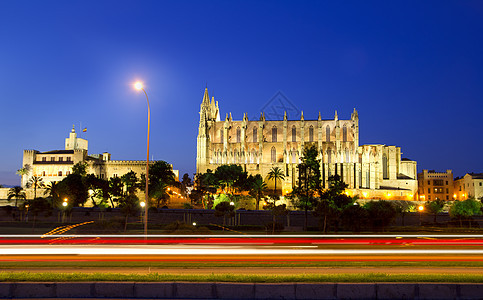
(17, 193)
(129, 206)
(73, 189)
(130, 182)
(97, 188)
(80, 168)
(231, 178)
(35, 182)
(24, 171)
(332, 202)
(115, 189)
(185, 182)
(205, 185)
(464, 210)
(275, 174)
(257, 188)
(435, 207)
(277, 210)
(354, 217)
(37, 206)
(160, 176)
(309, 183)
(224, 209)
(381, 213)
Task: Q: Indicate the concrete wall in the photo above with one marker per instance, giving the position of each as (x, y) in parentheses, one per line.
(218, 290)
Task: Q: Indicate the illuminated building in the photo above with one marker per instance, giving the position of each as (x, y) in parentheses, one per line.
(57, 164)
(469, 186)
(434, 185)
(371, 171)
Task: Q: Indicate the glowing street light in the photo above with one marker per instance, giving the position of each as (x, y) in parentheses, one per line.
(421, 209)
(139, 86)
(142, 203)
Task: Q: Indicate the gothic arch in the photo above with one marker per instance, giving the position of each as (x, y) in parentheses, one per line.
(344, 133)
(274, 134)
(273, 153)
(327, 133)
(294, 133)
(238, 134)
(311, 133)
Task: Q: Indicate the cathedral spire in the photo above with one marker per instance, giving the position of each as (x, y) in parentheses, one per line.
(302, 116)
(285, 115)
(336, 117)
(206, 98)
(320, 118)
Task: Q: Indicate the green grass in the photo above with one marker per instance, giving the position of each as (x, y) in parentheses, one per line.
(155, 277)
(163, 264)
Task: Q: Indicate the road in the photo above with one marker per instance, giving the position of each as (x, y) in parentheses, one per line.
(259, 250)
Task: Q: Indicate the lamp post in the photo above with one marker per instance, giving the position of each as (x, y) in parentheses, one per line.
(64, 205)
(139, 86)
(420, 208)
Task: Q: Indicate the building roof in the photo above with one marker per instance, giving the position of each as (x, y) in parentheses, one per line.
(58, 152)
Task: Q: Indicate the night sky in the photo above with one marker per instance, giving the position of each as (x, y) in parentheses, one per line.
(413, 70)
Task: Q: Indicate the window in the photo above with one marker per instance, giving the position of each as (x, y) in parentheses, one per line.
(255, 137)
(294, 134)
(60, 173)
(44, 158)
(311, 133)
(68, 159)
(446, 182)
(67, 173)
(429, 182)
(221, 135)
(385, 174)
(43, 173)
(102, 176)
(274, 154)
(327, 133)
(429, 190)
(344, 133)
(438, 182)
(480, 183)
(52, 159)
(429, 197)
(447, 190)
(447, 198)
(238, 135)
(274, 134)
(61, 159)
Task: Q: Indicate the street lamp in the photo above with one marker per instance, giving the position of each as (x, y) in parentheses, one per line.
(64, 204)
(420, 208)
(139, 86)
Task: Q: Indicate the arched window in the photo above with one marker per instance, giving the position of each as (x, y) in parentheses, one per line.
(221, 135)
(311, 133)
(238, 135)
(294, 156)
(60, 173)
(327, 133)
(294, 134)
(385, 174)
(346, 155)
(344, 133)
(235, 156)
(274, 134)
(329, 156)
(274, 154)
(255, 136)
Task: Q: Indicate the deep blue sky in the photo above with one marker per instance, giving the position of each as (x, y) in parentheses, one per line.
(413, 69)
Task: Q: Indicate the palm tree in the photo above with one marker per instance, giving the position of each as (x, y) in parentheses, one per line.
(23, 172)
(35, 182)
(276, 174)
(257, 188)
(51, 191)
(17, 193)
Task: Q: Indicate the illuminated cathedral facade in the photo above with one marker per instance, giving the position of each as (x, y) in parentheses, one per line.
(371, 171)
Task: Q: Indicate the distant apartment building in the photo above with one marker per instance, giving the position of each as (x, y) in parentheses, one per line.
(469, 186)
(434, 185)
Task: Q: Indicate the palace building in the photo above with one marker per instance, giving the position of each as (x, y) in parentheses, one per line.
(371, 171)
(57, 164)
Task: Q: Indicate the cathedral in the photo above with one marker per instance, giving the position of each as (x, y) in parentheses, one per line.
(370, 171)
